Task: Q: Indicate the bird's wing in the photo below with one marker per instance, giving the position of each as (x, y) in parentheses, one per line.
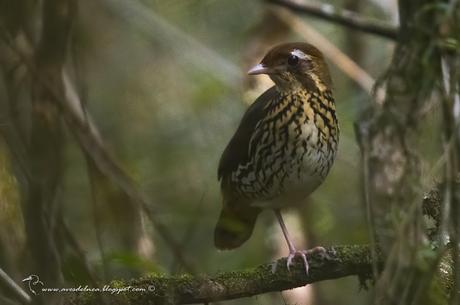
(237, 219)
(237, 150)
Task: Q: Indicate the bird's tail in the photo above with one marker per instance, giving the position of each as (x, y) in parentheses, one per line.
(235, 226)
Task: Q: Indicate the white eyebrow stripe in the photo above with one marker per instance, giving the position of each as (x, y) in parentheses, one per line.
(300, 54)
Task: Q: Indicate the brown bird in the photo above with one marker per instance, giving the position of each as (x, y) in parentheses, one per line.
(283, 148)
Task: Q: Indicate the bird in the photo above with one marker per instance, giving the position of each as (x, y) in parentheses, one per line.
(283, 148)
(35, 285)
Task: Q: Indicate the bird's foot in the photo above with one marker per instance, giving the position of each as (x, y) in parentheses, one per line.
(303, 254)
(292, 255)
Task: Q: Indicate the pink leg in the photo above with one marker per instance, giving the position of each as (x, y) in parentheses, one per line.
(292, 250)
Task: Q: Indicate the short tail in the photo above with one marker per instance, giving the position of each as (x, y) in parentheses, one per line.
(234, 227)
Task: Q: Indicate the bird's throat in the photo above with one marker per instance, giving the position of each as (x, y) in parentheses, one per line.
(287, 83)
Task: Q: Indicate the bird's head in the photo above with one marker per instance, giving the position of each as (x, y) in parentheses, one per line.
(32, 279)
(27, 279)
(295, 66)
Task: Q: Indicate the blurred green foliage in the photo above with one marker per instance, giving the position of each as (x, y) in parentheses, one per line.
(166, 92)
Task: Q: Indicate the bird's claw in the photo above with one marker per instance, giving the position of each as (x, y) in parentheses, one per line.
(302, 254)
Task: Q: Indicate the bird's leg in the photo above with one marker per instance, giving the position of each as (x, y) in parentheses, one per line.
(285, 232)
(292, 250)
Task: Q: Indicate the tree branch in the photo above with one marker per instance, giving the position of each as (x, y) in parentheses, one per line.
(339, 262)
(342, 17)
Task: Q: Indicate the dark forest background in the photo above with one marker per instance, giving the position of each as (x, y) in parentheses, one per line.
(114, 115)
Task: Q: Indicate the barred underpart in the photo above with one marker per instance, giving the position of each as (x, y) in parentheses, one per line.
(291, 149)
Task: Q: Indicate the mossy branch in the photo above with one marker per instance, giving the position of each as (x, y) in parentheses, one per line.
(158, 289)
(340, 261)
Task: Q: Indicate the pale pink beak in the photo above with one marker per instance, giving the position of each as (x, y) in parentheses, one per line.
(259, 69)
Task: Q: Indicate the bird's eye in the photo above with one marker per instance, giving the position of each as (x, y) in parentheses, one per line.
(293, 60)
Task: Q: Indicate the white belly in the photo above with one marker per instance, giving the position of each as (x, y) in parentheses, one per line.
(301, 178)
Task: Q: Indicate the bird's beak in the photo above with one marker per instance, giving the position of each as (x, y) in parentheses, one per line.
(259, 69)
(27, 279)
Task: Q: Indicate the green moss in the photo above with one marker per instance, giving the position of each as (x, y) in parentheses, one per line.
(185, 288)
(117, 284)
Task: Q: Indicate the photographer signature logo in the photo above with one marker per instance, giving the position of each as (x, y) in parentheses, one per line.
(37, 287)
(34, 283)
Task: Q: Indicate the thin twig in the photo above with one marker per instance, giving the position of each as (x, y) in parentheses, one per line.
(370, 214)
(156, 28)
(334, 54)
(342, 17)
(22, 296)
(91, 142)
(75, 246)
